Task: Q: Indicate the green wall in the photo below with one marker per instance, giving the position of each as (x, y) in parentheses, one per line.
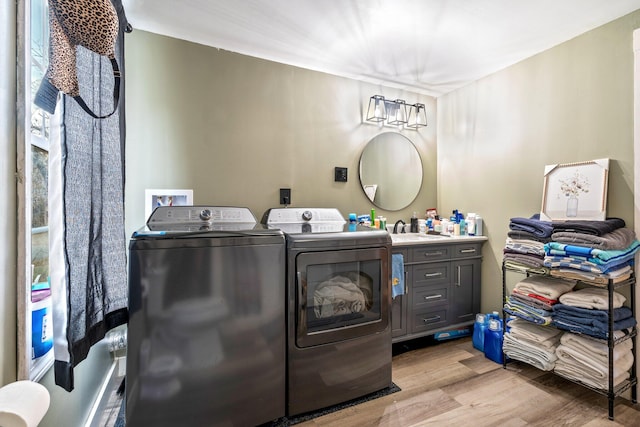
(571, 103)
(236, 129)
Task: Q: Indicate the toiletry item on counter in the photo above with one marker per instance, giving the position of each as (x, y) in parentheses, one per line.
(478, 225)
(353, 218)
(471, 224)
(383, 223)
(414, 223)
(422, 225)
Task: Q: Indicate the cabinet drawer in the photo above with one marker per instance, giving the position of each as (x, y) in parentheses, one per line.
(431, 274)
(429, 319)
(430, 296)
(467, 250)
(430, 253)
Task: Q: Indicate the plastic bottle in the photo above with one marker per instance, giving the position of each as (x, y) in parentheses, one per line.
(471, 224)
(463, 227)
(479, 328)
(493, 341)
(478, 225)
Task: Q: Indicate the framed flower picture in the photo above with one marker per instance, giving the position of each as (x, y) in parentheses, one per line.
(575, 191)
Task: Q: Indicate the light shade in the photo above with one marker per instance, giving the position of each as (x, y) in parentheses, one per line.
(399, 115)
(417, 116)
(377, 111)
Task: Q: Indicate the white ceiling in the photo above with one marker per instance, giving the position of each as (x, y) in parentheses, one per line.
(425, 46)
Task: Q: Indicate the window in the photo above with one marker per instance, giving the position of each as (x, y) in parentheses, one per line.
(35, 343)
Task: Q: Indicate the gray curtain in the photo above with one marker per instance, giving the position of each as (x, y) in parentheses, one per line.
(94, 243)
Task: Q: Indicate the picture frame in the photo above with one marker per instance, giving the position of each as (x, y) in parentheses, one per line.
(165, 197)
(575, 191)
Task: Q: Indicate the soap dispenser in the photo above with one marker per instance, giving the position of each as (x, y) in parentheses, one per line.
(414, 223)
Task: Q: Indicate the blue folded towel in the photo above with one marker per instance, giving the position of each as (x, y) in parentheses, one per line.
(532, 225)
(397, 275)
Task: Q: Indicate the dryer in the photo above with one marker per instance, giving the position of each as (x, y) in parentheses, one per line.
(338, 305)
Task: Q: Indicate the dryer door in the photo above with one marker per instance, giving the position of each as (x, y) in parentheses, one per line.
(341, 294)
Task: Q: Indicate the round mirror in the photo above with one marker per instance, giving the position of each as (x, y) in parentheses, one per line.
(391, 171)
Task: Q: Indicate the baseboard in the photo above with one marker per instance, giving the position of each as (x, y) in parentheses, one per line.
(105, 398)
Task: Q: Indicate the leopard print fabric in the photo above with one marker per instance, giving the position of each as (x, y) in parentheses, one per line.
(89, 23)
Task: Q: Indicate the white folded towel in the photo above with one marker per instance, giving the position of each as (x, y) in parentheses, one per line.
(545, 336)
(592, 298)
(593, 368)
(545, 286)
(529, 352)
(575, 372)
(598, 350)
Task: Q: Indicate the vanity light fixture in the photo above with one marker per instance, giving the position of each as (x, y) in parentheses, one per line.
(417, 116)
(396, 113)
(377, 111)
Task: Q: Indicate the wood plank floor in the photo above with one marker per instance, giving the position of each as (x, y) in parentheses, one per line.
(452, 384)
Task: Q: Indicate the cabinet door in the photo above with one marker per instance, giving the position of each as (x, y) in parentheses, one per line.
(400, 303)
(465, 290)
(399, 316)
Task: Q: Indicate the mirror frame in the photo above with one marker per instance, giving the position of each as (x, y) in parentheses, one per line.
(390, 143)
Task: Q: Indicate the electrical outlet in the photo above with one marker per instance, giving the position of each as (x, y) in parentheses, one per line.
(285, 196)
(341, 174)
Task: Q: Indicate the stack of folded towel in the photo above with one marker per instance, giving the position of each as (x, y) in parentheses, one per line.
(533, 298)
(533, 344)
(591, 251)
(524, 248)
(587, 360)
(586, 311)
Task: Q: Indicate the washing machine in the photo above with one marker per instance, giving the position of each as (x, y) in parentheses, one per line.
(206, 334)
(338, 304)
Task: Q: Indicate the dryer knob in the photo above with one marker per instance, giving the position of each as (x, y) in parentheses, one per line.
(307, 215)
(205, 214)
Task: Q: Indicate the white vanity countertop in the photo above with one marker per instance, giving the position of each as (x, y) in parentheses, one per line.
(409, 239)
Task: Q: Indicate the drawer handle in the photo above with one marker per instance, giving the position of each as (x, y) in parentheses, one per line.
(431, 319)
(433, 274)
(467, 251)
(433, 253)
(433, 297)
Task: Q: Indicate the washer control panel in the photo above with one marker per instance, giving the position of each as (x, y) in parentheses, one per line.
(200, 214)
(304, 215)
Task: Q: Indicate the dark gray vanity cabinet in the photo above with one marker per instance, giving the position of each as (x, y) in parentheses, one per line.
(442, 289)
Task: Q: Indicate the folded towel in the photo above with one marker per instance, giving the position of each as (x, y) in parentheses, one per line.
(524, 312)
(547, 287)
(598, 228)
(597, 279)
(618, 239)
(529, 352)
(530, 260)
(598, 350)
(519, 234)
(596, 298)
(532, 301)
(580, 264)
(532, 225)
(397, 275)
(594, 323)
(540, 335)
(596, 256)
(524, 246)
(575, 372)
(546, 301)
(517, 265)
(593, 371)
